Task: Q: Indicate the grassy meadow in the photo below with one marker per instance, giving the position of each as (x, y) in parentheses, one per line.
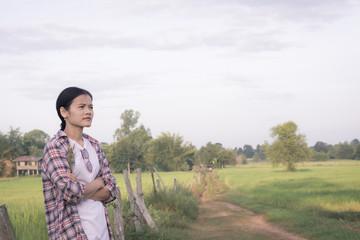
(24, 200)
(321, 200)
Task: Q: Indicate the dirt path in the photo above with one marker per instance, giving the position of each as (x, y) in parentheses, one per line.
(222, 220)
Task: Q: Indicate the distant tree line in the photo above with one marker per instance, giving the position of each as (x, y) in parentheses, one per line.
(135, 147)
(343, 150)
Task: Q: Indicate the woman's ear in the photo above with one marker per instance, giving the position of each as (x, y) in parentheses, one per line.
(63, 112)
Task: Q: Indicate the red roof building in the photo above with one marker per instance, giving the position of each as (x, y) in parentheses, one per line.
(28, 165)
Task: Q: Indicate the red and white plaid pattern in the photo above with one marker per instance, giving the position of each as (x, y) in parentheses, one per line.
(61, 194)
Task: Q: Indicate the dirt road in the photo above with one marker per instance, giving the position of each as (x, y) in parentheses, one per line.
(222, 220)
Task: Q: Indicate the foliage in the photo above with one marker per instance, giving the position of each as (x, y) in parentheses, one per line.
(289, 148)
(342, 151)
(131, 144)
(11, 144)
(357, 152)
(129, 149)
(226, 157)
(129, 120)
(244, 159)
(321, 147)
(318, 156)
(239, 151)
(248, 151)
(206, 155)
(34, 142)
(259, 157)
(168, 153)
(214, 154)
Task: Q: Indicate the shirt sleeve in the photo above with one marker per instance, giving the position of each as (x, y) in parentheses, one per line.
(56, 166)
(107, 176)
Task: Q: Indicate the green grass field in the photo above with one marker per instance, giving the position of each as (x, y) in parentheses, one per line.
(24, 200)
(321, 200)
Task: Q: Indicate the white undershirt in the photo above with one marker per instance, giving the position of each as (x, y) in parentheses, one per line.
(92, 213)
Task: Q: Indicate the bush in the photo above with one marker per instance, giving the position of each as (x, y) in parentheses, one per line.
(172, 213)
(318, 156)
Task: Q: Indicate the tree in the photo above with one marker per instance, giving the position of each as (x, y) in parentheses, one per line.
(226, 157)
(321, 147)
(130, 150)
(208, 155)
(355, 142)
(11, 144)
(288, 148)
(248, 151)
(168, 153)
(34, 142)
(240, 151)
(129, 120)
(342, 151)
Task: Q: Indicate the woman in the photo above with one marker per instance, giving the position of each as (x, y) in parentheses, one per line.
(76, 177)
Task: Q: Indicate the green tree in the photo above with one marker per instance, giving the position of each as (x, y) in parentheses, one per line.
(342, 151)
(207, 154)
(355, 142)
(130, 150)
(357, 152)
(318, 156)
(130, 143)
(129, 120)
(12, 144)
(34, 142)
(226, 157)
(288, 148)
(240, 151)
(321, 147)
(168, 153)
(248, 151)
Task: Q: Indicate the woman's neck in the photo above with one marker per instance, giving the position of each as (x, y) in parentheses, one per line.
(75, 134)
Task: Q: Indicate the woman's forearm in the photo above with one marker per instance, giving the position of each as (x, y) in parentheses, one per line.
(93, 187)
(101, 195)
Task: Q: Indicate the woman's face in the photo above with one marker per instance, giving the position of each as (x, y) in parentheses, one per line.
(80, 113)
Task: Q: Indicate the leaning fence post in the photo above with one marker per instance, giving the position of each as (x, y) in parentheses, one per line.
(118, 218)
(175, 184)
(161, 180)
(132, 199)
(152, 177)
(141, 203)
(158, 184)
(6, 230)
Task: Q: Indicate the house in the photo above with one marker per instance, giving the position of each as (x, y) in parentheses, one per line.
(28, 165)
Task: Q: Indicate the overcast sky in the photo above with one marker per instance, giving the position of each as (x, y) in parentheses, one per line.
(209, 70)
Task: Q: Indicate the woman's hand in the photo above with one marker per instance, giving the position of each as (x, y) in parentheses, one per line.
(72, 176)
(93, 187)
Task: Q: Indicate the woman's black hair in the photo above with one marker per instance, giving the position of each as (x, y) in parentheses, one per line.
(65, 99)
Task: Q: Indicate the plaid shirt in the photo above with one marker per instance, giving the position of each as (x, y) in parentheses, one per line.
(61, 194)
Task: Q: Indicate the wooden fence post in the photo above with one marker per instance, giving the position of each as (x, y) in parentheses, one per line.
(161, 180)
(152, 177)
(158, 184)
(131, 195)
(141, 203)
(175, 185)
(118, 218)
(6, 229)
